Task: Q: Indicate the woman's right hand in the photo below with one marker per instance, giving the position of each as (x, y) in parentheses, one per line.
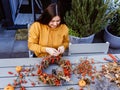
(52, 51)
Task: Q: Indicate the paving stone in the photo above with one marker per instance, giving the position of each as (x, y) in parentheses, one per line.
(8, 34)
(20, 46)
(6, 45)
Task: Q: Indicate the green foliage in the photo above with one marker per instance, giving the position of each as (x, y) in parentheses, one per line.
(114, 22)
(87, 16)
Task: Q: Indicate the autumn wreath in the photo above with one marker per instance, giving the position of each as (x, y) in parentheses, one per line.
(57, 76)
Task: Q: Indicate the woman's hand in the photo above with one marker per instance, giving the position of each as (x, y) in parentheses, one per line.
(61, 49)
(52, 51)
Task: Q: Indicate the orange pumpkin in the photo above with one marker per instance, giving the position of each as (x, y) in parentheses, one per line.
(9, 87)
(82, 83)
(18, 68)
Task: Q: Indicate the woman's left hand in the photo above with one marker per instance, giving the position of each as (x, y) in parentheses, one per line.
(61, 49)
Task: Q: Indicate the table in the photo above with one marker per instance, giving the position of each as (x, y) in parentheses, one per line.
(8, 65)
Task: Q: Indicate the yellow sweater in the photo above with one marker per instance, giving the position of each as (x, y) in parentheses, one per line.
(42, 36)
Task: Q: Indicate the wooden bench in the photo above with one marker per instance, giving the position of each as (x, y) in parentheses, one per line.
(89, 48)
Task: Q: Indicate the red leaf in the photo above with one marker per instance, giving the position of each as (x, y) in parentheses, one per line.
(10, 73)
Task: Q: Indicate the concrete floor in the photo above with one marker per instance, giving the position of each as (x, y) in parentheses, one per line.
(9, 47)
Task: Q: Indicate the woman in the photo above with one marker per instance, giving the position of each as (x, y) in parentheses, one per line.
(49, 35)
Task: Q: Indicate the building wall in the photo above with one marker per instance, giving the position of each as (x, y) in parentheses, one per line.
(10, 8)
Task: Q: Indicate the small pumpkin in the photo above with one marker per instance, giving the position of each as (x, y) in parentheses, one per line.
(9, 87)
(82, 83)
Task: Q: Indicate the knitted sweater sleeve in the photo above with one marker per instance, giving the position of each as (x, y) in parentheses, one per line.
(66, 38)
(33, 38)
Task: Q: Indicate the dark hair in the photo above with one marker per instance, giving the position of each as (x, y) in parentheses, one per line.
(51, 11)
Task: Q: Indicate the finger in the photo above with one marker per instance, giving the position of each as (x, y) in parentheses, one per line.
(61, 50)
(56, 54)
(56, 51)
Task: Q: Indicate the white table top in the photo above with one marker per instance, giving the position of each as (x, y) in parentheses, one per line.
(8, 65)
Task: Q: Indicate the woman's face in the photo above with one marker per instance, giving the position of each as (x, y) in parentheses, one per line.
(54, 22)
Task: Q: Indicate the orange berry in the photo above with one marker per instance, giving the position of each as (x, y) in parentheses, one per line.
(18, 68)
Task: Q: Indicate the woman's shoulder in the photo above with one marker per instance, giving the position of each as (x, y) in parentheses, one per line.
(34, 26)
(64, 26)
